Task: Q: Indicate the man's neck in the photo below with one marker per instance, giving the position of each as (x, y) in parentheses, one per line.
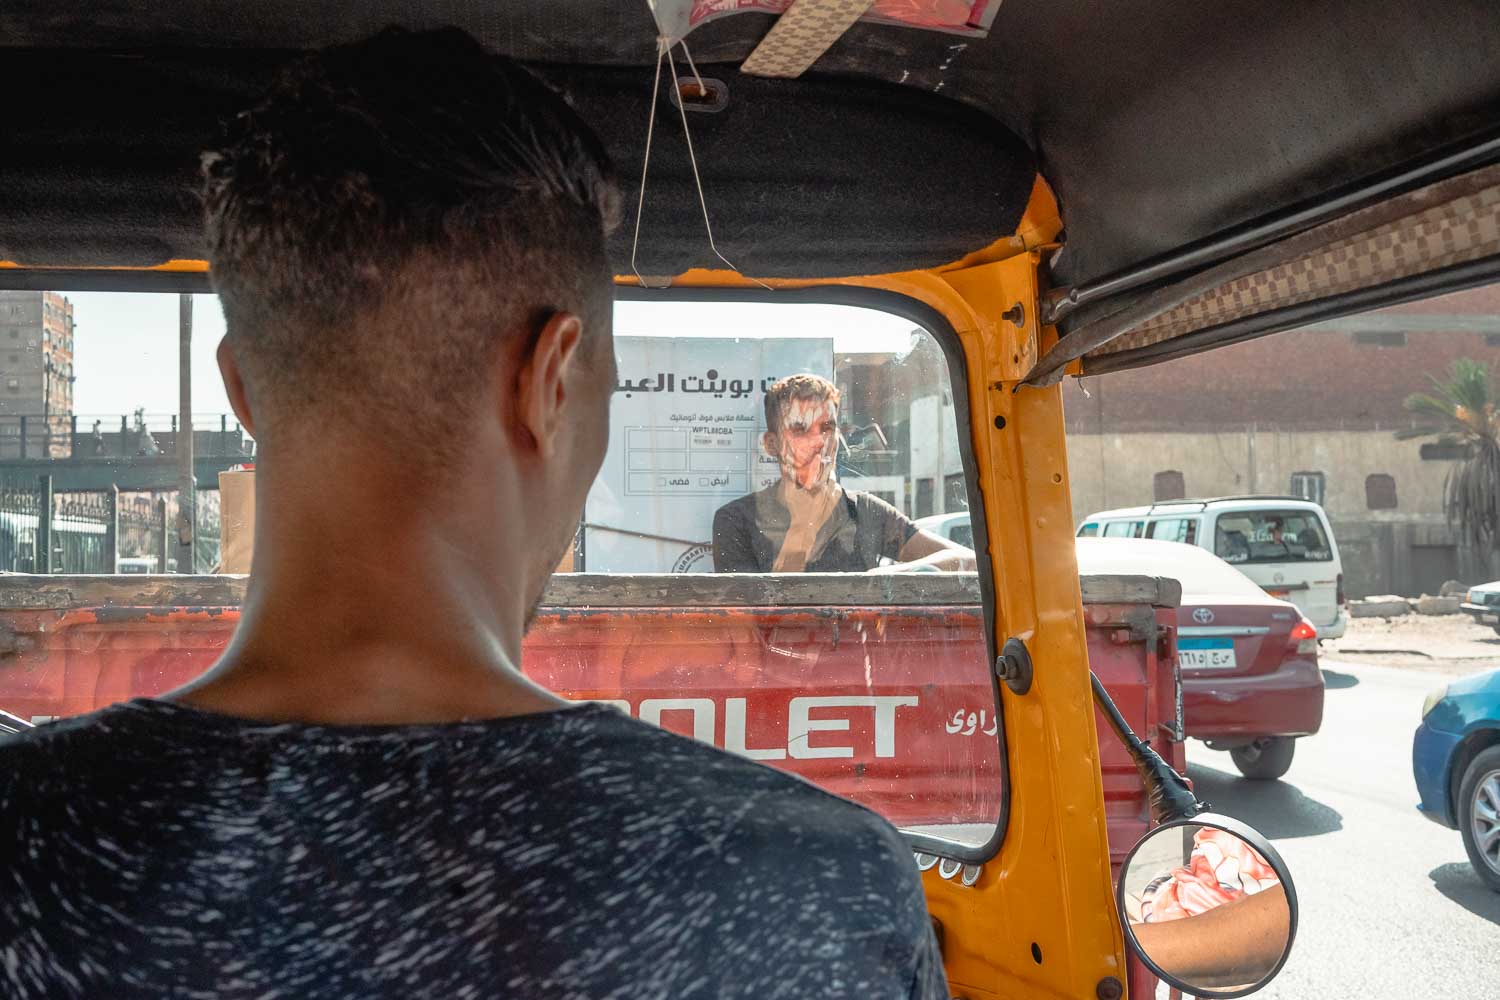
(381, 611)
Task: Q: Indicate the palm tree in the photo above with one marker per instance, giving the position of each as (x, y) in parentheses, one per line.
(1460, 411)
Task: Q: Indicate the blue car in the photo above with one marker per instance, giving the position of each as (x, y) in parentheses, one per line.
(1455, 758)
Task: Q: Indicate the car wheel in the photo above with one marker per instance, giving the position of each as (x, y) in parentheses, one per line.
(1266, 759)
(1479, 815)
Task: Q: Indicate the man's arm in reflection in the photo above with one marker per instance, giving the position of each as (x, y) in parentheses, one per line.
(926, 551)
(1236, 944)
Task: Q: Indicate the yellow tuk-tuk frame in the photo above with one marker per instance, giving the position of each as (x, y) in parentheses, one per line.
(1039, 918)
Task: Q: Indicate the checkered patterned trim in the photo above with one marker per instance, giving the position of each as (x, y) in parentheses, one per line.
(801, 35)
(1459, 230)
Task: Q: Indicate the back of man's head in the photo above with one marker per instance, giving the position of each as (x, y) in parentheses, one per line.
(386, 218)
(805, 388)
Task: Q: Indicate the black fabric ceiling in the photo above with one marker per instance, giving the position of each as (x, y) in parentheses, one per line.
(873, 179)
(1158, 122)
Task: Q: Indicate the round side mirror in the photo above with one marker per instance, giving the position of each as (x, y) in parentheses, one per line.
(1209, 906)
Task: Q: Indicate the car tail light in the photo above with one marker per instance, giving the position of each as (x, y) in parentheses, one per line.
(1339, 592)
(1304, 638)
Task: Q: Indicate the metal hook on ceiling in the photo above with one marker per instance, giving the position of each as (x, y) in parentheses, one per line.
(664, 47)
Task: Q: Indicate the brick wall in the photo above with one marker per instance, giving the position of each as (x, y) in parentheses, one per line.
(1317, 378)
(1244, 419)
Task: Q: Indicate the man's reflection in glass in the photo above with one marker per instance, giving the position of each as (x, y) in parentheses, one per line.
(807, 521)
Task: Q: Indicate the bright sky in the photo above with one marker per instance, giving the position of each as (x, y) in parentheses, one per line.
(125, 354)
(125, 348)
(852, 328)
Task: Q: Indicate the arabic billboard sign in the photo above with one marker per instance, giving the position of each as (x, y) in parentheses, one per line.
(685, 429)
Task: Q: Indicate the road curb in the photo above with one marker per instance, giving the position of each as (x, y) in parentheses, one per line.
(1412, 652)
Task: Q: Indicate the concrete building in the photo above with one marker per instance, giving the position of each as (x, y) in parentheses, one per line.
(898, 422)
(1312, 412)
(36, 374)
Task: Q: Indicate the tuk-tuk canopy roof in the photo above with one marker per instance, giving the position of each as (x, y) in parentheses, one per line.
(1158, 124)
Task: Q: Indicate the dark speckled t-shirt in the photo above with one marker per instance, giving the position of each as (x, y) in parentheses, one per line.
(152, 850)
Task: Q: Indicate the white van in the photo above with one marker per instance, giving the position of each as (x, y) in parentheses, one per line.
(1282, 543)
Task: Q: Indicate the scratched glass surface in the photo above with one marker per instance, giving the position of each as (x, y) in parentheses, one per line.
(807, 458)
(844, 643)
(89, 403)
(92, 429)
(758, 437)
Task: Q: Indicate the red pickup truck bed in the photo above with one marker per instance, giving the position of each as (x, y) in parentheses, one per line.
(877, 687)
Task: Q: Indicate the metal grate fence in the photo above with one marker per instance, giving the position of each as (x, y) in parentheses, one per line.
(76, 535)
(100, 532)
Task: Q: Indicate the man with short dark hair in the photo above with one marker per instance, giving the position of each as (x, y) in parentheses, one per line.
(807, 521)
(366, 797)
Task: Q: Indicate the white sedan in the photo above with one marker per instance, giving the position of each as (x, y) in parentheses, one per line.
(1483, 603)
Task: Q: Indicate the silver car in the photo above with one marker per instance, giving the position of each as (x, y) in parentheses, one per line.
(1483, 604)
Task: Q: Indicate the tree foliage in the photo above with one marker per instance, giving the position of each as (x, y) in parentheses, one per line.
(1460, 411)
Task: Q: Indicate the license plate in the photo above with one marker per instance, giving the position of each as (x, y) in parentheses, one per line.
(1206, 654)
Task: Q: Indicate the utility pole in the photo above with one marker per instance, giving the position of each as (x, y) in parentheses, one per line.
(47, 405)
(163, 537)
(187, 492)
(112, 530)
(42, 563)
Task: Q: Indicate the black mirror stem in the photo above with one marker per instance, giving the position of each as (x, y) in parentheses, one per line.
(1171, 798)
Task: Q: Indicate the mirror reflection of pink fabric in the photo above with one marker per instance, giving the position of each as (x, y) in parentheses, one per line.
(1221, 868)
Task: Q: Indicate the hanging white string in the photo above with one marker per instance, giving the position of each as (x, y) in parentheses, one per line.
(664, 46)
(640, 205)
(702, 90)
(687, 137)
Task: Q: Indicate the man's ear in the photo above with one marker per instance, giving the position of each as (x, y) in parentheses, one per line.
(234, 386)
(546, 377)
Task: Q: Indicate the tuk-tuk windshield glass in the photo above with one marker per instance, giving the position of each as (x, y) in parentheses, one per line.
(796, 471)
(774, 557)
(89, 404)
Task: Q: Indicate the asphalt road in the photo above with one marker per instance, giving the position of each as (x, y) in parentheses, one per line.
(1389, 905)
